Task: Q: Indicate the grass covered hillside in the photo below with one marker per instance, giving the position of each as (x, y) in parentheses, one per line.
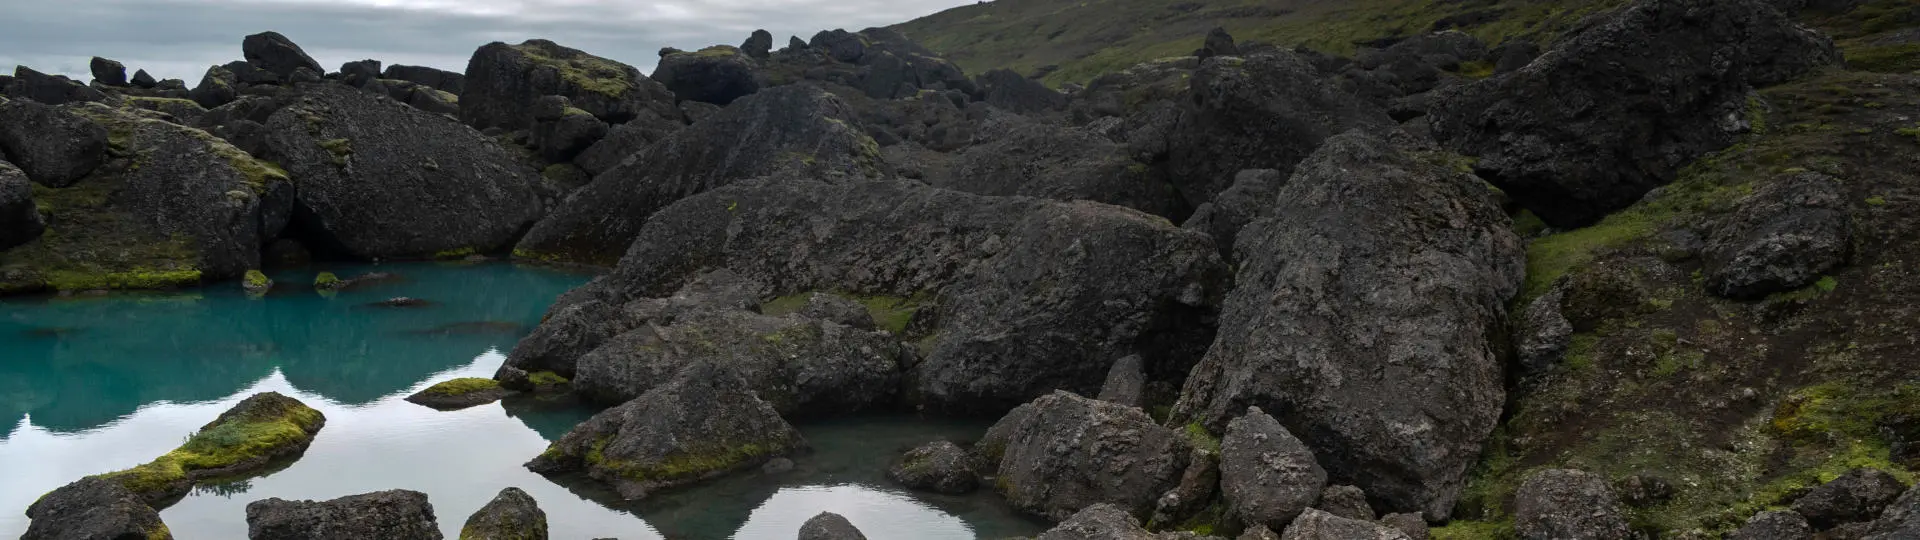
(1086, 38)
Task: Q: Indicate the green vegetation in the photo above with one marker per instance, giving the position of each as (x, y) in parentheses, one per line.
(462, 386)
(326, 281)
(586, 72)
(1201, 438)
(1474, 530)
(256, 282)
(890, 313)
(260, 428)
(681, 465)
(1876, 200)
(340, 148)
(456, 254)
(546, 378)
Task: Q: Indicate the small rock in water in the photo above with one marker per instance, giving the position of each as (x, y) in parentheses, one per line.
(939, 466)
(777, 466)
(512, 515)
(830, 526)
(387, 515)
(460, 394)
(93, 507)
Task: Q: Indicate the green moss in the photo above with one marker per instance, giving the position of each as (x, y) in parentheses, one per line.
(257, 280)
(63, 280)
(718, 51)
(1476, 69)
(454, 254)
(535, 256)
(1474, 530)
(462, 386)
(680, 465)
(585, 72)
(232, 441)
(1201, 438)
(340, 148)
(1876, 200)
(890, 313)
(1528, 225)
(1901, 58)
(161, 533)
(546, 378)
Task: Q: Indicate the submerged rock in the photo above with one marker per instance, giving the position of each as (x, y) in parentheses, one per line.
(1074, 452)
(386, 515)
(829, 526)
(460, 394)
(511, 515)
(262, 430)
(939, 466)
(1558, 504)
(1267, 476)
(93, 508)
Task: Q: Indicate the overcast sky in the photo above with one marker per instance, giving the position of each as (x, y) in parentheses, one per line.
(180, 38)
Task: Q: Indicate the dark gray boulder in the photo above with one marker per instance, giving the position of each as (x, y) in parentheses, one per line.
(48, 89)
(181, 111)
(1039, 159)
(1108, 522)
(1774, 526)
(838, 309)
(1783, 237)
(502, 81)
(53, 146)
(1900, 520)
(360, 72)
(939, 467)
(142, 80)
(1857, 496)
(1126, 382)
(563, 132)
(1345, 501)
(1249, 199)
(511, 515)
(704, 424)
(273, 52)
(1616, 108)
(107, 72)
(759, 45)
(717, 75)
(439, 101)
(829, 526)
(624, 141)
(20, 219)
(1317, 525)
(1542, 334)
(382, 180)
(385, 515)
(1413, 525)
(796, 129)
(218, 87)
(1007, 89)
(1561, 504)
(1074, 452)
(440, 79)
(1130, 91)
(1218, 43)
(93, 508)
(1362, 235)
(250, 75)
(1267, 476)
(839, 45)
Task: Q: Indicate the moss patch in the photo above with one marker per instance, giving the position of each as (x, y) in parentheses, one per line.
(462, 386)
(890, 313)
(326, 281)
(247, 439)
(1201, 438)
(546, 378)
(586, 72)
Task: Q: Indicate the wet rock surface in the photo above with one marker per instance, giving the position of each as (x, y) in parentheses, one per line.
(511, 515)
(939, 466)
(93, 508)
(387, 515)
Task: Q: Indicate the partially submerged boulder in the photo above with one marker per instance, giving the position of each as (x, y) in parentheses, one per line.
(251, 437)
(717, 75)
(385, 515)
(511, 515)
(939, 467)
(460, 394)
(1073, 452)
(502, 81)
(20, 220)
(93, 508)
(1267, 476)
(829, 526)
(1783, 237)
(704, 424)
(1318, 328)
(1560, 504)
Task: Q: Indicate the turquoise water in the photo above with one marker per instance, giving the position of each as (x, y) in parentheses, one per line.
(96, 384)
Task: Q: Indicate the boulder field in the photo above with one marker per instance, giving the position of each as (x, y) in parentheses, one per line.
(1650, 278)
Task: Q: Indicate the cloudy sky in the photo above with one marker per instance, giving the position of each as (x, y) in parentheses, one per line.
(180, 38)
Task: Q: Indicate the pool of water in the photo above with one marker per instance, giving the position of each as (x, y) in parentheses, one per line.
(96, 384)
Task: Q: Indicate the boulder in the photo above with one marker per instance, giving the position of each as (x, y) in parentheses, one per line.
(717, 75)
(439, 79)
(939, 467)
(382, 180)
(1317, 328)
(502, 81)
(20, 220)
(759, 45)
(1074, 452)
(1783, 237)
(1249, 199)
(385, 515)
(1900, 520)
(218, 87)
(1126, 382)
(108, 72)
(1007, 89)
(839, 45)
(511, 515)
(1857, 496)
(48, 89)
(1218, 43)
(273, 52)
(1317, 525)
(142, 80)
(360, 72)
(1038, 159)
(797, 129)
(1413, 525)
(1267, 476)
(624, 141)
(251, 75)
(440, 102)
(182, 111)
(1543, 334)
(829, 526)
(93, 508)
(460, 394)
(565, 134)
(1560, 504)
(1130, 91)
(704, 424)
(53, 146)
(1107, 522)
(1345, 501)
(1616, 108)
(1774, 526)
(1266, 111)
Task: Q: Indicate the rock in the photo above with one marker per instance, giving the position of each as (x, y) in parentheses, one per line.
(275, 53)
(1126, 382)
(1643, 490)
(1267, 475)
(93, 508)
(54, 147)
(939, 467)
(183, 112)
(797, 129)
(1106, 522)
(1616, 108)
(439, 102)
(1901, 519)
(838, 309)
(1345, 501)
(511, 515)
(260, 432)
(1219, 43)
(108, 72)
(1042, 160)
(360, 72)
(1561, 504)
(1512, 55)
(1413, 525)
(717, 75)
(218, 87)
(704, 424)
(1858, 496)
(794, 43)
(1075, 452)
(502, 82)
(305, 76)
(839, 45)
(1129, 92)
(829, 526)
(1009, 90)
(1783, 237)
(1406, 435)
(382, 180)
(20, 220)
(1197, 490)
(460, 394)
(1543, 334)
(623, 141)
(48, 89)
(1317, 525)
(142, 80)
(402, 302)
(758, 45)
(385, 515)
(1259, 532)
(568, 134)
(1774, 526)
(1248, 200)
(1266, 111)
(439, 79)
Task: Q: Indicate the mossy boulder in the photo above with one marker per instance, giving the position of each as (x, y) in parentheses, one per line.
(939, 467)
(829, 526)
(54, 146)
(256, 283)
(94, 508)
(460, 394)
(247, 439)
(502, 81)
(511, 515)
(717, 75)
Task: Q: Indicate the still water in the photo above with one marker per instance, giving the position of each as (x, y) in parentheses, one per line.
(95, 384)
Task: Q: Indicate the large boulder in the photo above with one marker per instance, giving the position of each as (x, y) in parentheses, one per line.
(1318, 525)
(1617, 108)
(796, 129)
(939, 466)
(54, 146)
(511, 515)
(1008, 90)
(107, 72)
(383, 180)
(439, 79)
(1266, 474)
(1107, 522)
(717, 75)
(1774, 526)
(1249, 199)
(1859, 495)
(1074, 452)
(20, 220)
(704, 424)
(1783, 237)
(263, 431)
(1560, 504)
(759, 45)
(385, 515)
(829, 526)
(502, 82)
(48, 89)
(93, 508)
(1900, 520)
(624, 141)
(561, 131)
(273, 52)
(1366, 316)
(1264, 111)
(1039, 159)
(217, 87)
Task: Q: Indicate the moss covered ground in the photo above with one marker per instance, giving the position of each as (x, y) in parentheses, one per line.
(244, 438)
(891, 313)
(462, 386)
